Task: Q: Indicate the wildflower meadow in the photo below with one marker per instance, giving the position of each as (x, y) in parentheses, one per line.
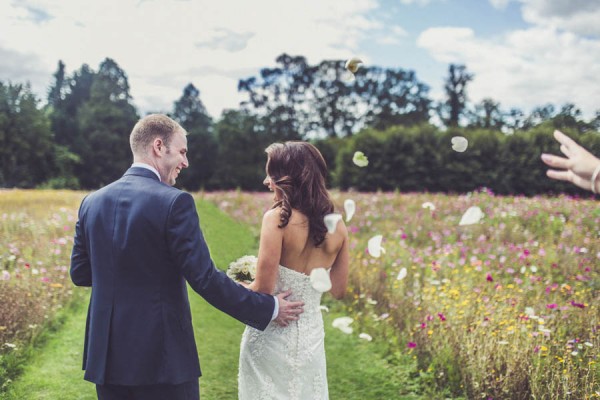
(505, 308)
(36, 228)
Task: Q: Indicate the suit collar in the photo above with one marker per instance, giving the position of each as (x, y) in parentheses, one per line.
(139, 171)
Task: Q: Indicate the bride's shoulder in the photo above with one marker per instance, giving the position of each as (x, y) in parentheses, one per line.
(272, 216)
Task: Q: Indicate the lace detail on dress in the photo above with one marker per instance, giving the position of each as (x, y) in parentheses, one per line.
(286, 362)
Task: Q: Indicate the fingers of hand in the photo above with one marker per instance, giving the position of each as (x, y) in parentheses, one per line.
(555, 161)
(559, 175)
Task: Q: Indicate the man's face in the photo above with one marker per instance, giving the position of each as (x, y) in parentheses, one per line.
(174, 159)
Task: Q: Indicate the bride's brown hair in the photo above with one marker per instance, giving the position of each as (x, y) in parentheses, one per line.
(298, 170)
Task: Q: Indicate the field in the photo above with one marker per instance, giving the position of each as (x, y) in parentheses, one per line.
(505, 308)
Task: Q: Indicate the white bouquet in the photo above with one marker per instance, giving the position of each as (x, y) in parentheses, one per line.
(243, 269)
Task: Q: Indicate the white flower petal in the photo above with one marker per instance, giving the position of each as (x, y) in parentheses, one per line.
(341, 322)
(401, 274)
(472, 216)
(349, 208)
(324, 308)
(346, 329)
(353, 64)
(365, 336)
(348, 77)
(529, 311)
(359, 159)
(459, 144)
(428, 205)
(331, 221)
(374, 246)
(319, 279)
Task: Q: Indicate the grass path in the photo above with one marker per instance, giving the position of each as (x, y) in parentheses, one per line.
(355, 369)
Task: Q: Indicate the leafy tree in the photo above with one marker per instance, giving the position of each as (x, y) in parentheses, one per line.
(104, 122)
(487, 115)
(74, 92)
(241, 161)
(300, 100)
(56, 91)
(456, 91)
(28, 156)
(190, 112)
(392, 97)
(278, 95)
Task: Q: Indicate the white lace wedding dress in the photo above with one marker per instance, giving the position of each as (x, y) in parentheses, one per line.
(286, 363)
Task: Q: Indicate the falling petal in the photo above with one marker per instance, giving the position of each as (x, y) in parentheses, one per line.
(324, 308)
(331, 221)
(348, 77)
(472, 216)
(353, 64)
(401, 274)
(359, 159)
(459, 144)
(350, 208)
(428, 205)
(374, 246)
(319, 279)
(365, 336)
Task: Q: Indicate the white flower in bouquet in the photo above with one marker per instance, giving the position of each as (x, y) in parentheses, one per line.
(243, 269)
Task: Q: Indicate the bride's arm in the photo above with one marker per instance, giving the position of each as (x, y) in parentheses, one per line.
(269, 253)
(339, 269)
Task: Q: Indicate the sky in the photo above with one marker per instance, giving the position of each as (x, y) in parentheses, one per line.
(522, 53)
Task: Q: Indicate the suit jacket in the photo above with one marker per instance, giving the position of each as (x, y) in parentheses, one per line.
(137, 242)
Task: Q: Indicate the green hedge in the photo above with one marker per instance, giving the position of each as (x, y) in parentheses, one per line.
(420, 158)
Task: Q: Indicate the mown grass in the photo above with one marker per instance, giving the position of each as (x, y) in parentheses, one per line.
(356, 369)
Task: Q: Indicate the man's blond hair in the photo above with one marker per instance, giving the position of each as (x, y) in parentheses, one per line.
(150, 127)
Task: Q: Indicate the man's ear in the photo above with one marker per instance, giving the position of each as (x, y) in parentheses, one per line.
(157, 146)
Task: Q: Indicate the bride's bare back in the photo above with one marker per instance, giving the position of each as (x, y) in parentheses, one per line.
(298, 250)
(293, 248)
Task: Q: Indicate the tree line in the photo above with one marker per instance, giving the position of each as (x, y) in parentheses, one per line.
(78, 137)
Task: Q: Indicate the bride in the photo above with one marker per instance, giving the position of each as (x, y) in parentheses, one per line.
(289, 362)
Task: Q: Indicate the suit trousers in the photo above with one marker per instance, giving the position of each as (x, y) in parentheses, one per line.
(183, 391)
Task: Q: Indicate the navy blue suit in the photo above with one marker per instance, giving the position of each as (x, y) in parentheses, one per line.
(137, 242)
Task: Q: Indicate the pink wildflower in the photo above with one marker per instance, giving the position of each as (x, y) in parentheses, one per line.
(578, 305)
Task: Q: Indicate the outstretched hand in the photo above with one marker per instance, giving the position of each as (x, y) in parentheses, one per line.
(288, 310)
(577, 167)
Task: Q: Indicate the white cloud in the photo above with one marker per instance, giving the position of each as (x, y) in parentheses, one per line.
(419, 2)
(171, 39)
(578, 16)
(524, 68)
(500, 4)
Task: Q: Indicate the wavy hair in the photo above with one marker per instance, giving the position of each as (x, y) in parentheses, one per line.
(298, 170)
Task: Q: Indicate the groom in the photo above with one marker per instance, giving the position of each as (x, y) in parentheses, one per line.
(137, 242)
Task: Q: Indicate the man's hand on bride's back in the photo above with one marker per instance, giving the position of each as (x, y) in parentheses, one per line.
(288, 310)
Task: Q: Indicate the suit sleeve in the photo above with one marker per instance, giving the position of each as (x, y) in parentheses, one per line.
(81, 268)
(190, 252)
